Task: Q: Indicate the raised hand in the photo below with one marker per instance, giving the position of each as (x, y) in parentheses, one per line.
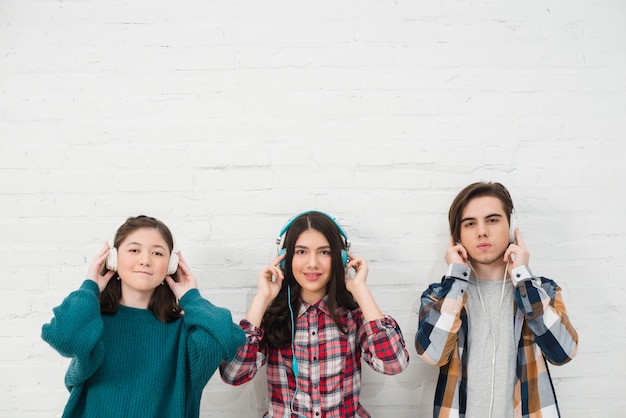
(517, 255)
(186, 279)
(96, 267)
(270, 279)
(456, 253)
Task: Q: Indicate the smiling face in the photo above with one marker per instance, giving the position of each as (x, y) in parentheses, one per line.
(484, 230)
(311, 265)
(143, 257)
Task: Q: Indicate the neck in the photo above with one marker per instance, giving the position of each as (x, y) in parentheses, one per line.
(133, 299)
(492, 271)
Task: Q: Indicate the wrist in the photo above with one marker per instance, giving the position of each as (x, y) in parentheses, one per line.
(520, 273)
(359, 291)
(262, 301)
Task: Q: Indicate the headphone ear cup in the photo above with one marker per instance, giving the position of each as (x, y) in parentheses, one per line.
(282, 262)
(344, 258)
(513, 225)
(173, 265)
(111, 262)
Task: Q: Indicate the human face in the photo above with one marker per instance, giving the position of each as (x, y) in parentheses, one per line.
(142, 260)
(485, 230)
(311, 265)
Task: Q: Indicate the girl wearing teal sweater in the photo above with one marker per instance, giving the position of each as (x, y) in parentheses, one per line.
(142, 340)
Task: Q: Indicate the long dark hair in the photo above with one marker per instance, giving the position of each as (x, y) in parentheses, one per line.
(163, 303)
(276, 320)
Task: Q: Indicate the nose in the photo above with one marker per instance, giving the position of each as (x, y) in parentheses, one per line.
(482, 230)
(145, 260)
(312, 260)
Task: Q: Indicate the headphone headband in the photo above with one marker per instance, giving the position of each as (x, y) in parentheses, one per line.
(342, 232)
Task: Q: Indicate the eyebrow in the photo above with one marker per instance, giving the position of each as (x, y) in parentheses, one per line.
(493, 215)
(138, 243)
(323, 247)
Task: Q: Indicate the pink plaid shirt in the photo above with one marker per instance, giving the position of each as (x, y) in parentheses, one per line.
(329, 362)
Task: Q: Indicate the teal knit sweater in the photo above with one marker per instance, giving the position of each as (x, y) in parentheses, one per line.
(131, 364)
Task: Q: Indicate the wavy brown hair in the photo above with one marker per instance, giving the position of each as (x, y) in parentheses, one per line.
(163, 303)
(277, 320)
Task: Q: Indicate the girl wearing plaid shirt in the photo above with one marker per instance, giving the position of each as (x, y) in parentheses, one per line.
(312, 324)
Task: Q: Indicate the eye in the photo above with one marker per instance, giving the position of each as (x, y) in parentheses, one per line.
(468, 224)
(325, 252)
(492, 220)
(133, 250)
(300, 252)
(158, 254)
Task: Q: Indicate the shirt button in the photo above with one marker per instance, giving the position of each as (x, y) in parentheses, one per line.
(314, 358)
(464, 273)
(317, 414)
(313, 333)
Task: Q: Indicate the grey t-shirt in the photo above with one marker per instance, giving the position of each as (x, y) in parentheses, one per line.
(481, 349)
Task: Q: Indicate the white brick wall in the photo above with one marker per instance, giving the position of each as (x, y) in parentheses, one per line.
(223, 119)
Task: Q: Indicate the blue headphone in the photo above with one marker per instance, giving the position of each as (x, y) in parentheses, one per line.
(342, 232)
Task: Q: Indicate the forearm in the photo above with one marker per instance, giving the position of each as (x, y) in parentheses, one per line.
(541, 303)
(440, 316)
(76, 332)
(77, 325)
(257, 310)
(384, 347)
(367, 304)
(248, 359)
(209, 326)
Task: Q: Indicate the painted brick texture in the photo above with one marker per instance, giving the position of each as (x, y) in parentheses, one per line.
(223, 119)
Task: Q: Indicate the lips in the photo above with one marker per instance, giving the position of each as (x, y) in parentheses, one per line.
(484, 246)
(312, 276)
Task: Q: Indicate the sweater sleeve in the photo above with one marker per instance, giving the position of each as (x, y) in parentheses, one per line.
(384, 347)
(248, 360)
(75, 331)
(212, 336)
(440, 316)
(540, 301)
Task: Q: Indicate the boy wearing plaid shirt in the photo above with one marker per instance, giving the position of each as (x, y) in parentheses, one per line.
(517, 320)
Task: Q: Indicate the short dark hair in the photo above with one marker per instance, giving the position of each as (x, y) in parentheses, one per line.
(163, 303)
(470, 192)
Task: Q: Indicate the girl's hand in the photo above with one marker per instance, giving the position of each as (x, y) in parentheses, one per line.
(360, 273)
(186, 279)
(96, 267)
(270, 280)
(456, 253)
(359, 289)
(517, 254)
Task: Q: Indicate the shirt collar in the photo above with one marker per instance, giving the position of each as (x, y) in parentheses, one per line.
(321, 305)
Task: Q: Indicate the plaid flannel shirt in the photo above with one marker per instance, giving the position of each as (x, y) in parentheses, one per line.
(329, 362)
(541, 328)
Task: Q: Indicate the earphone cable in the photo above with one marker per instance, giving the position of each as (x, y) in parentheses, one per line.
(294, 361)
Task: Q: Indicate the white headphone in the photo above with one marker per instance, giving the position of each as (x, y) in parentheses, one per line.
(512, 226)
(111, 262)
